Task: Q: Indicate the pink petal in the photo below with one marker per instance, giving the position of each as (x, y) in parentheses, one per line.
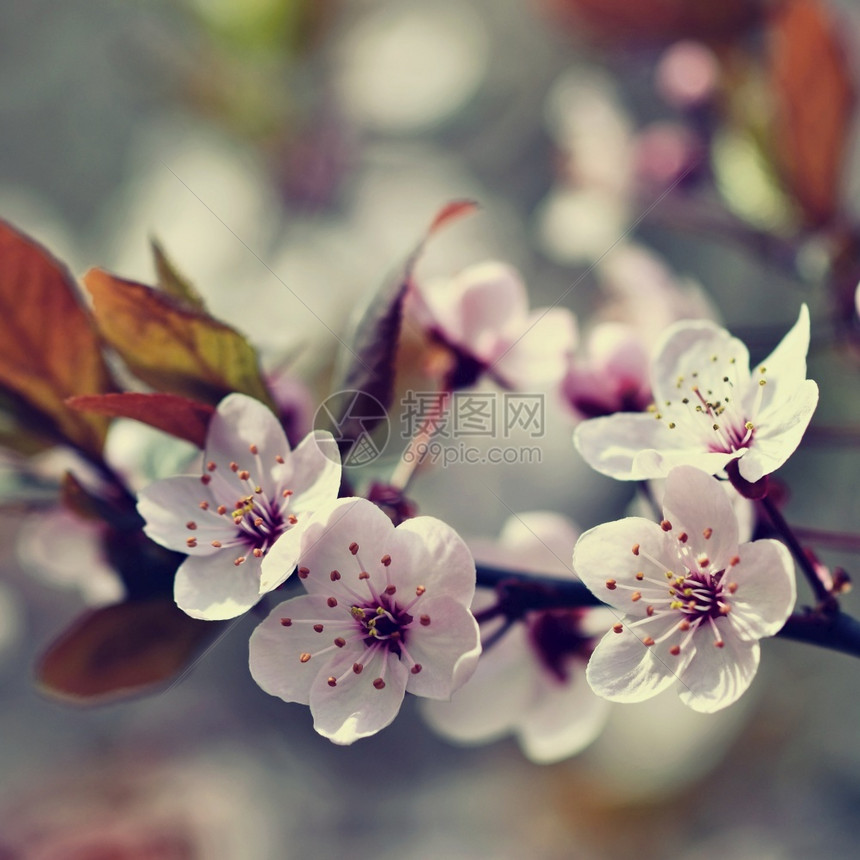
(718, 677)
(355, 708)
(622, 669)
(492, 702)
(765, 592)
(695, 504)
(563, 720)
(428, 552)
(67, 551)
(604, 557)
(214, 588)
(326, 544)
(537, 352)
(238, 423)
(447, 648)
(275, 649)
(170, 504)
(492, 296)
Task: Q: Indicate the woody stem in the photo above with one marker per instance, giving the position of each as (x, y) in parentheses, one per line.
(523, 592)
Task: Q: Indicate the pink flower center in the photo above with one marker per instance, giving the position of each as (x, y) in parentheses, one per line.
(376, 619)
(237, 493)
(715, 414)
(383, 623)
(557, 638)
(677, 605)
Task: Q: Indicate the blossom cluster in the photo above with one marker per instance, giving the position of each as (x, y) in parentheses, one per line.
(550, 625)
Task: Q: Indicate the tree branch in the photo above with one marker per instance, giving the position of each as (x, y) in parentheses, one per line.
(523, 592)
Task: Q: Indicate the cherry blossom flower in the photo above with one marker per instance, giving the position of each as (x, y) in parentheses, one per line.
(643, 298)
(386, 612)
(482, 317)
(531, 681)
(67, 550)
(694, 603)
(710, 408)
(608, 167)
(612, 375)
(240, 522)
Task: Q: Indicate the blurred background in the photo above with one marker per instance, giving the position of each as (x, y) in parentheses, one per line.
(637, 160)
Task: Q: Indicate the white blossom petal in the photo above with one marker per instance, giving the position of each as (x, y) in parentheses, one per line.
(690, 346)
(779, 430)
(765, 592)
(275, 649)
(623, 669)
(215, 588)
(446, 643)
(326, 543)
(563, 720)
(170, 504)
(355, 708)
(238, 423)
(315, 472)
(280, 561)
(604, 559)
(637, 447)
(492, 702)
(428, 552)
(696, 505)
(718, 677)
(786, 365)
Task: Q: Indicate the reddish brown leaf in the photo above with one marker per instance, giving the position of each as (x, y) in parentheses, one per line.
(659, 21)
(171, 346)
(454, 210)
(370, 361)
(122, 650)
(49, 349)
(815, 97)
(179, 416)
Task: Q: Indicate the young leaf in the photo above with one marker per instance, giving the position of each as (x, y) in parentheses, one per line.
(122, 650)
(179, 416)
(172, 281)
(370, 359)
(815, 96)
(49, 348)
(170, 346)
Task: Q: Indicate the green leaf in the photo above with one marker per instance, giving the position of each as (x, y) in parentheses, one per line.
(169, 279)
(172, 347)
